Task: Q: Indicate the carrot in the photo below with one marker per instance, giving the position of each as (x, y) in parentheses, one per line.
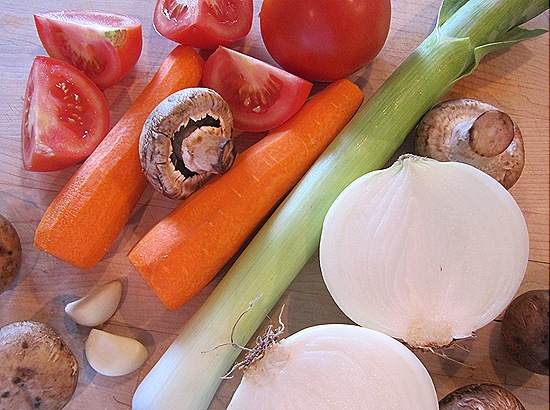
(185, 250)
(85, 218)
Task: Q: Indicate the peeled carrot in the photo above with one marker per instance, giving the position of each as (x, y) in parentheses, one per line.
(85, 218)
(185, 250)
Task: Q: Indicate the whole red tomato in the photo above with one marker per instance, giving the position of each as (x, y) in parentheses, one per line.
(324, 40)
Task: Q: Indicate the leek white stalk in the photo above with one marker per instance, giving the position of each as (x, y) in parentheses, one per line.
(186, 377)
(424, 251)
(336, 366)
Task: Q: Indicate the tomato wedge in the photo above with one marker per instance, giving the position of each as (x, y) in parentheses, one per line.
(261, 96)
(105, 46)
(203, 23)
(65, 116)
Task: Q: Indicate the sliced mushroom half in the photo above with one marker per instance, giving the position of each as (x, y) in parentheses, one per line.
(186, 140)
(475, 133)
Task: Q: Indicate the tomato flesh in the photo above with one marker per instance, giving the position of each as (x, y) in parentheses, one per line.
(324, 40)
(203, 23)
(105, 46)
(65, 116)
(260, 95)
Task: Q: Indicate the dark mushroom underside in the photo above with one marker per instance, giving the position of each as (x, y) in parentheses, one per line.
(184, 132)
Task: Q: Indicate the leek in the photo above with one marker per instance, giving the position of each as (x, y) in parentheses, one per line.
(189, 373)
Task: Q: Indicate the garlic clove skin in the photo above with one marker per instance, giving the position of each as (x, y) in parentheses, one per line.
(113, 355)
(97, 306)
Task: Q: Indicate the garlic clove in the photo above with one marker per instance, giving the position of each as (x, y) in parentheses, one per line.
(113, 355)
(96, 307)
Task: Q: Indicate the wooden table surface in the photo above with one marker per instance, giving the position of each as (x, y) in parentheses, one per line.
(516, 80)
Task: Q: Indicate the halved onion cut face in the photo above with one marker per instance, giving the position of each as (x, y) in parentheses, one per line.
(336, 366)
(424, 251)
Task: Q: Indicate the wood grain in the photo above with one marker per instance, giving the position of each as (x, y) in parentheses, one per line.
(515, 80)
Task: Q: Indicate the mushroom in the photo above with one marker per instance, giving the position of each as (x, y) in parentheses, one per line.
(475, 133)
(10, 253)
(186, 140)
(483, 396)
(37, 369)
(525, 330)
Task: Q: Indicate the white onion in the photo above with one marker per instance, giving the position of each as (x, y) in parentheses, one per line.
(424, 251)
(336, 366)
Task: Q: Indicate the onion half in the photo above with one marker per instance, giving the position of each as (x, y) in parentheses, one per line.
(424, 251)
(336, 366)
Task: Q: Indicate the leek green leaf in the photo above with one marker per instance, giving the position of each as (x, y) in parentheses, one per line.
(447, 9)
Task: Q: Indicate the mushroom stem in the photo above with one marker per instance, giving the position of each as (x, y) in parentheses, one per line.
(204, 150)
(476, 133)
(486, 135)
(491, 133)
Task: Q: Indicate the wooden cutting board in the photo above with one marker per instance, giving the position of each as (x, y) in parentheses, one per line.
(516, 80)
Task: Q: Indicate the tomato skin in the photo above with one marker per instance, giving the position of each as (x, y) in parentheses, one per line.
(65, 116)
(204, 24)
(261, 96)
(105, 46)
(324, 40)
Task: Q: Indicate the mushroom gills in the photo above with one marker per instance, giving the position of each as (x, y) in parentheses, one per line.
(475, 133)
(198, 148)
(186, 140)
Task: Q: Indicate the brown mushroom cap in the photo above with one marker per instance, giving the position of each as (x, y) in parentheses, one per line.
(525, 330)
(186, 140)
(37, 369)
(482, 396)
(475, 133)
(10, 253)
